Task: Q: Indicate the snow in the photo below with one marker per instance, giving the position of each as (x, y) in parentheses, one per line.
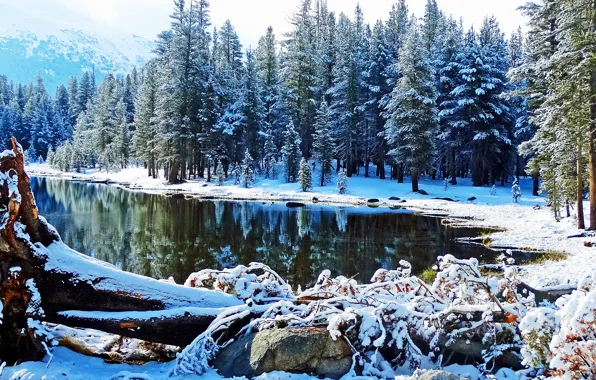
(50, 39)
(70, 365)
(59, 257)
(525, 226)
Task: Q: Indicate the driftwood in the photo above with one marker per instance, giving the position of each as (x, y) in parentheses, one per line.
(68, 281)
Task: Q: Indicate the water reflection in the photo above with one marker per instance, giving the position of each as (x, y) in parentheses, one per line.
(158, 236)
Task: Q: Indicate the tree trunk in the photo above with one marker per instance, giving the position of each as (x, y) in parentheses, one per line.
(400, 172)
(415, 180)
(535, 183)
(453, 169)
(580, 192)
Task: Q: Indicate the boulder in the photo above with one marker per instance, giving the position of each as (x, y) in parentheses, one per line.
(300, 350)
(373, 200)
(438, 375)
(422, 192)
(472, 199)
(394, 198)
(315, 200)
(177, 196)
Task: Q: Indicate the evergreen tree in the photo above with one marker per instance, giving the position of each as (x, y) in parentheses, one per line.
(299, 71)
(247, 175)
(516, 191)
(220, 174)
(305, 176)
(269, 160)
(452, 119)
(144, 141)
(413, 115)
(323, 143)
(270, 86)
(342, 181)
(290, 153)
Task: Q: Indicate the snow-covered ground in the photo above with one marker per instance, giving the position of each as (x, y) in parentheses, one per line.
(525, 226)
(66, 364)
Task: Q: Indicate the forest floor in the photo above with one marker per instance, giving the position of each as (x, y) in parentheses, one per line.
(528, 224)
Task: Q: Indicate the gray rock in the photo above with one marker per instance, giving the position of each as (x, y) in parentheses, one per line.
(300, 350)
(439, 375)
(422, 192)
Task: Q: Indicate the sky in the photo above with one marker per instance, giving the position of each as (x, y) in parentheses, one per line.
(251, 18)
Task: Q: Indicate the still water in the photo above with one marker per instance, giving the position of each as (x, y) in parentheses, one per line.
(158, 236)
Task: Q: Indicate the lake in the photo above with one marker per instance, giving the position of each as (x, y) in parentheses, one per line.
(157, 236)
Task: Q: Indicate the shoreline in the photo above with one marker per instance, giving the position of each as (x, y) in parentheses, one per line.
(518, 225)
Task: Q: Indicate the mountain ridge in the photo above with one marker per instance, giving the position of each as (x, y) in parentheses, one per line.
(34, 43)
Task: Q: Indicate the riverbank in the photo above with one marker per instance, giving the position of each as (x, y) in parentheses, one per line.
(526, 226)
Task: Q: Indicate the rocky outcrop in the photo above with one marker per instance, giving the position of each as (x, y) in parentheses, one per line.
(300, 350)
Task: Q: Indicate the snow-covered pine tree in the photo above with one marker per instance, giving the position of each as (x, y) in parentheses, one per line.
(342, 181)
(73, 110)
(305, 175)
(269, 161)
(220, 174)
(493, 190)
(516, 192)
(251, 123)
(291, 152)
(144, 144)
(452, 122)
(377, 82)
(63, 127)
(270, 86)
(50, 156)
(237, 173)
(323, 142)
(32, 154)
(412, 122)
(247, 170)
(299, 70)
(344, 95)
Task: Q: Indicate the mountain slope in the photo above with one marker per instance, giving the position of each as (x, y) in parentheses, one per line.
(57, 43)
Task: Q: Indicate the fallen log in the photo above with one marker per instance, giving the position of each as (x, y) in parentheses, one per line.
(34, 263)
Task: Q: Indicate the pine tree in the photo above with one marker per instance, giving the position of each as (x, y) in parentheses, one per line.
(247, 175)
(305, 176)
(516, 191)
(220, 174)
(270, 161)
(144, 144)
(290, 153)
(345, 95)
(342, 181)
(270, 86)
(299, 71)
(412, 111)
(452, 121)
(32, 154)
(323, 143)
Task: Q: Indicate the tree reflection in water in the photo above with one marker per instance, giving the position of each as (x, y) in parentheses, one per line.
(160, 237)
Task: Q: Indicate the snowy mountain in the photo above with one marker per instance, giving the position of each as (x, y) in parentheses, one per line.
(57, 43)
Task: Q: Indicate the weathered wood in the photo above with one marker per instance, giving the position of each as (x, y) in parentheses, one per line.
(174, 327)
